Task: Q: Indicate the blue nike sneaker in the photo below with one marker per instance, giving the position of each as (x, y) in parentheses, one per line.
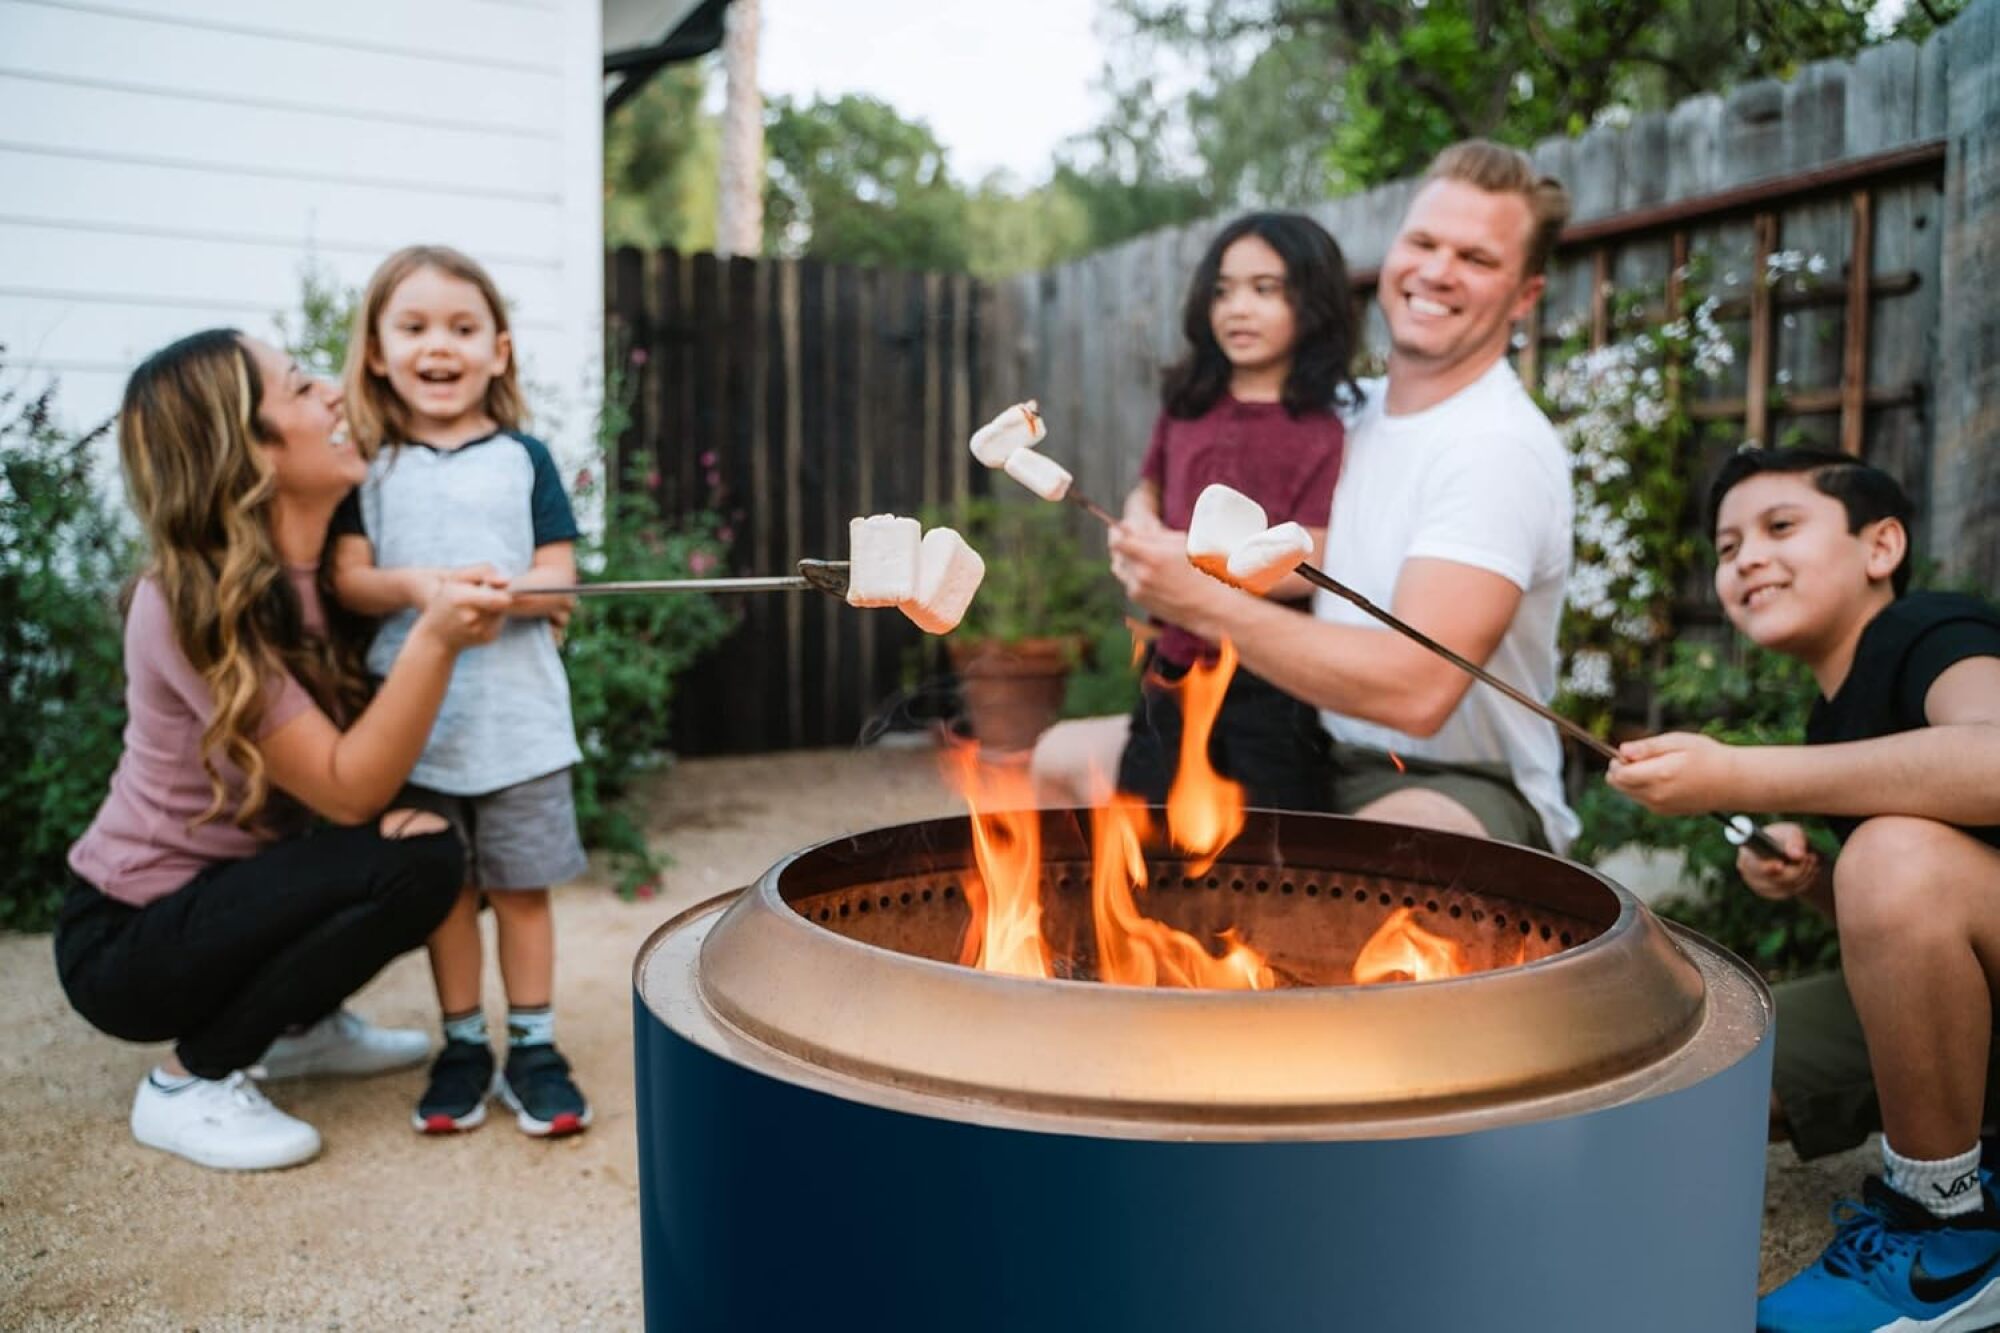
(1893, 1267)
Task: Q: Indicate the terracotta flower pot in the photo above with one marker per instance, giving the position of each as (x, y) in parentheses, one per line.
(1013, 691)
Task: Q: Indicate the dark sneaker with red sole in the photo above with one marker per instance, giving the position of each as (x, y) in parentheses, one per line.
(456, 1098)
(536, 1087)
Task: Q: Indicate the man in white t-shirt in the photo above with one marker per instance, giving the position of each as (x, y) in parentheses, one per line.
(1453, 509)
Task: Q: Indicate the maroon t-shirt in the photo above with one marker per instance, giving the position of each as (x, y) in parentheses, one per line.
(1286, 465)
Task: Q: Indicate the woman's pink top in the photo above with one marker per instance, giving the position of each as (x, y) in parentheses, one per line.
(144, 842)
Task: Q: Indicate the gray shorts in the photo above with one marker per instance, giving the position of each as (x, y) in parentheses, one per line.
(1362, 776)
(520, 837)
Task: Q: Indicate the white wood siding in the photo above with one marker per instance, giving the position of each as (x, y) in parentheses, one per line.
(166, 165)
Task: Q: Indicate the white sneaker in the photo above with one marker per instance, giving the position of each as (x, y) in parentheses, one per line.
(224, 1123)
(344, 1043)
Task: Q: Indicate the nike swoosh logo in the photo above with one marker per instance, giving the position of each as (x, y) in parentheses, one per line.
(1930, 1289)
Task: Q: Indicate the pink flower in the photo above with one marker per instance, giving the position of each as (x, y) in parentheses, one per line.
(638, 356)
(708, 458)
(653, 480)
(714, 477)
(701, 562)
(583, 479)
(725, 534)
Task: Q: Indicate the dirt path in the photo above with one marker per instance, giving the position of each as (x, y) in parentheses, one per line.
(490, 1230)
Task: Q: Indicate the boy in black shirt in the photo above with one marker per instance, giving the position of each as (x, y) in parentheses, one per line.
(1903, 757)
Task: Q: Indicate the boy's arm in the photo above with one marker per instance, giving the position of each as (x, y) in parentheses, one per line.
(1948, 771)
(371, 591)
(554, 567)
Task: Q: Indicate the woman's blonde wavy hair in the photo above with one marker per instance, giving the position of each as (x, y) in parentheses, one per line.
(188, 437)
(375, 415)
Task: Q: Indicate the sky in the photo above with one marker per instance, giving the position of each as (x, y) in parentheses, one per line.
(1001, 82)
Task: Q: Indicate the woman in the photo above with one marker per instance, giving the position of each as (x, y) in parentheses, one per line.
(204, 908)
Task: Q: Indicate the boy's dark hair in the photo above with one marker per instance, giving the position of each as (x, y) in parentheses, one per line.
(1325, 331)
(1868, 494)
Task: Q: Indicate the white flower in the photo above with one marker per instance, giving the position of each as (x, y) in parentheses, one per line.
(1589, 675)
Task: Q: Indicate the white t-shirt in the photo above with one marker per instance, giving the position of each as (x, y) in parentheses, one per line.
(1480, 479)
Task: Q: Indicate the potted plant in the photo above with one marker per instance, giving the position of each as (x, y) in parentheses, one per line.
(1044, 598)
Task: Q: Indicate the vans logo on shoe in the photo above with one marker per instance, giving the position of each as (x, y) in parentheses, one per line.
(1963, 1185)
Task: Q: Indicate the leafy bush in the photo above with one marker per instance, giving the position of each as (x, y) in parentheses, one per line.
(624, 656)
(62, 557)
(1745, 697)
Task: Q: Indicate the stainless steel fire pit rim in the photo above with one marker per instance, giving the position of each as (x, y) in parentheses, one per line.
(1597, 1012)
(1733, 1026)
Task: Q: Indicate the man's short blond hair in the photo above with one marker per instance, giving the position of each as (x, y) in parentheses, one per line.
(1498, 169)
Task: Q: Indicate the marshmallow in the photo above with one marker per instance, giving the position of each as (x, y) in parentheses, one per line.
(882, 559)
(1260, 563)
(1039, 473)
(948, 573)
(1019, 427)
(1223, 520)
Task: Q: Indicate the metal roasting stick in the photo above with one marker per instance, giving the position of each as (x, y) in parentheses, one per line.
(1739, 829)
(827, 576)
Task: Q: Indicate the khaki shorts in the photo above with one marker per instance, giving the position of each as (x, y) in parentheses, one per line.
(1820, 1069)
(1363, 776)
(520, 837)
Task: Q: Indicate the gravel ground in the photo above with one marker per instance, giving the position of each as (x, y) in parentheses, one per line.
(492, 1229)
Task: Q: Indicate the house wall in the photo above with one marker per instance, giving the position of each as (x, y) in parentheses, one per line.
(167, 165)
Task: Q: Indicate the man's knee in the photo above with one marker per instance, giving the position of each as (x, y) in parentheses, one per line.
(1421, 807)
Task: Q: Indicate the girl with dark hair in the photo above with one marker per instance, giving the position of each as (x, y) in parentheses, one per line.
(1271, 332)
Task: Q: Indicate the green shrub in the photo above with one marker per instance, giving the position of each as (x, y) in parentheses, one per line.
(624, 655)
(62, 558)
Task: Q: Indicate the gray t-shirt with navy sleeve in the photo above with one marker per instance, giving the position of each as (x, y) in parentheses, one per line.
(493, 501)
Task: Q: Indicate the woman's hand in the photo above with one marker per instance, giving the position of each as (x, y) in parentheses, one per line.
(469, 607)
(1678, 773)
(1780, 880)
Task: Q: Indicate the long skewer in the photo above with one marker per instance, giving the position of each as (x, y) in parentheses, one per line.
(827, 576)
(1741, 830)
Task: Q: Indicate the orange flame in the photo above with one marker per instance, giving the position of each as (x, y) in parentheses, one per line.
(1204, 809)
(1397, 760)
(1005, 896)
(1402, 950)
(1134, 949)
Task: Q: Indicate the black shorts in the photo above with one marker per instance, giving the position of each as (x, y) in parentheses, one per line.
(1263, 738)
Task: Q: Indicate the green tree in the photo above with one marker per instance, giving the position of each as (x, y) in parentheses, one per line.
(1380, 85)
(852, 181)
(661, 156)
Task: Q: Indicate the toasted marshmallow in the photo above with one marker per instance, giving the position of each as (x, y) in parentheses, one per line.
(1260, 563)
(949, 571)
(1019, 427)
(1223, 520)
(882, 555)
(1039, 473)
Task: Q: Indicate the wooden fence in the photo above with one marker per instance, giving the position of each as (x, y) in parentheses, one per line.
(789, 396)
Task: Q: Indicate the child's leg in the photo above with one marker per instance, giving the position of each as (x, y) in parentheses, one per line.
(535, 1083)
(527, 946)
(456, 956)
(1918, 904)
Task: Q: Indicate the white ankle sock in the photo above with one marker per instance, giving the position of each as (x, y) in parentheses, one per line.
(1948, 1187)
(166, 1082)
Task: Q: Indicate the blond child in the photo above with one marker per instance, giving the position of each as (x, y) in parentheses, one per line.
(433, 400)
